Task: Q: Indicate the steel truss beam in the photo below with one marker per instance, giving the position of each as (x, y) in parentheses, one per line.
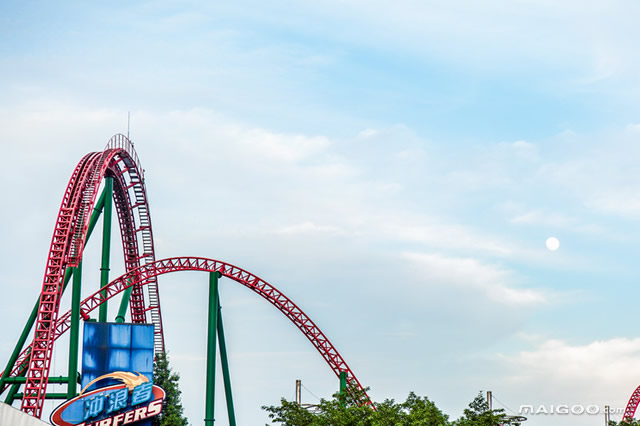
(144, 274)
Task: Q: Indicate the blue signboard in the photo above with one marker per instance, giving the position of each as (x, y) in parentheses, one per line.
(110, 347)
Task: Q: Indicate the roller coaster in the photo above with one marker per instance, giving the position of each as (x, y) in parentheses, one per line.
(117, 171)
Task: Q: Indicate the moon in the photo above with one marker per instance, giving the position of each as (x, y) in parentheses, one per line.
(552, 243)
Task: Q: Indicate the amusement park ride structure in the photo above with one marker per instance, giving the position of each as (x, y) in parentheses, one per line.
(117, 169)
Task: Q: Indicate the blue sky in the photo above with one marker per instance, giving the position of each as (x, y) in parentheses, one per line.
(394, 169)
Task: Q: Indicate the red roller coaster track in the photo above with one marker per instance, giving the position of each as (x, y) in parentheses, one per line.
(632, 405)
(120, 162)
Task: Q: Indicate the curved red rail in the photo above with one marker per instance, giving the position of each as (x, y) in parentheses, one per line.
(632, 405)
(145, 274)
(119, 161)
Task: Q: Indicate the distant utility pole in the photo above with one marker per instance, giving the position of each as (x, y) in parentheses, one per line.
(489, 400)
(299, 391)
(606, 415)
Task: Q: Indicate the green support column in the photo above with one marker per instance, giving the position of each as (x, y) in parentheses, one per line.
(11, 395)
(343, 385)
(13, 390)
(106, 244)
(211, 348)
(97, 211)
(21, 379)
(49, 395)
(26, 331)
(75, 332)
(225, 368)
(124, 303)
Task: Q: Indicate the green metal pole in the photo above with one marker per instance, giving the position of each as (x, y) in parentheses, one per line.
(343, 385)
(211, 349)
(75, 332)
(124, 303)
(49, 395)
(22, 379)
(19, 345)
(13, 390)
(97, 210)
(225, 368)
(106, 245)
(25, 333)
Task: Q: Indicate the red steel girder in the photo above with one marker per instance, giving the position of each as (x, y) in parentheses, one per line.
(632, 405)
(145, 273)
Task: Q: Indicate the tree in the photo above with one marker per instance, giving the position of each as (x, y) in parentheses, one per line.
(172, 411)
(415, 411)
(479, 414)
(289, 413)
(632, 422)
(423, 412)
(342, 410)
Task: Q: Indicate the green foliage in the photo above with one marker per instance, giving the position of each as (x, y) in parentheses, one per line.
(343, 411)
(172, 411)
(633, 422)
(479, 414)
(422, 412)
(415, 411)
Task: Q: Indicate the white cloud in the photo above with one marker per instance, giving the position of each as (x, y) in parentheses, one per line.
(367, 133)
(492, 281)
(619, 202)
(499, 166)
(602, 372)
(282, 147)
(561, 221)
(605, 361)
(540, 217)
(525, 150)
(307, 227)
(451, 236)
(333, 169)
(596, 171)
(591, 42)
